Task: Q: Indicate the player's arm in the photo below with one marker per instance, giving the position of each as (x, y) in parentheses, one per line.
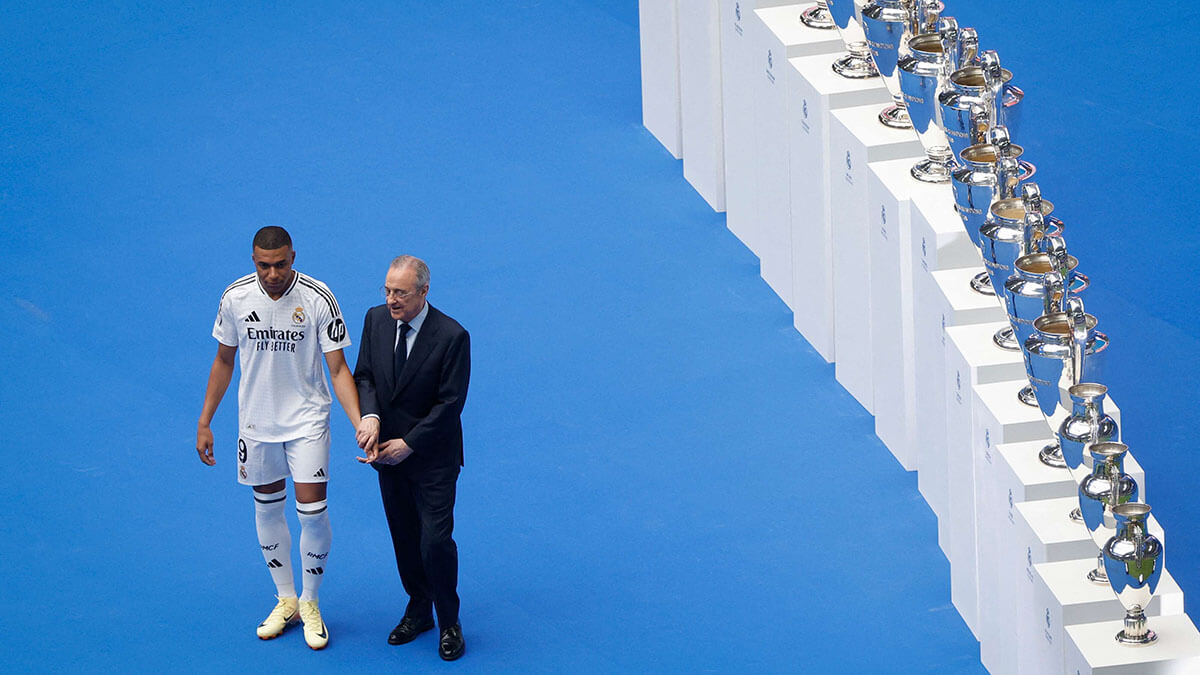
(343, 385)
(364, 377)
(219, 377)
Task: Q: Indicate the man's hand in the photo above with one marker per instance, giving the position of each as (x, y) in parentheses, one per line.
(392, 452)
(204, 444)
(368, 433)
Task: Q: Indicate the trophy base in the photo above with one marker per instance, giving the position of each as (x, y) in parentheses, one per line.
(1027, 396)
(982, 284)
(1098, 577)
(1135, 633)
(1006, 340)
(931, 171)
(1051, 456)
(1076, 515)
(855, 66)
(817, 17)
(895, 117)
(1146, 639)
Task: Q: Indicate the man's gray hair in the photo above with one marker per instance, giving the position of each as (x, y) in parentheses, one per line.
(422, 270)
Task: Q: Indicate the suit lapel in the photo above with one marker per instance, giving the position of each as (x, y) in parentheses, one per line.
(422, 347)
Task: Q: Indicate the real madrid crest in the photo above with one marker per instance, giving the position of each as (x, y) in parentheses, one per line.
(298, 315)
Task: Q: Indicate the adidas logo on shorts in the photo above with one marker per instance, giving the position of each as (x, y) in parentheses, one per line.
(319, 474)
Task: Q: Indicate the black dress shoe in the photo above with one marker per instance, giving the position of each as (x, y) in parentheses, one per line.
(451, 645)
(408, 629)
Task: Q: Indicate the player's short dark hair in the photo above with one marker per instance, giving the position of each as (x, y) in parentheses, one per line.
(272, 237)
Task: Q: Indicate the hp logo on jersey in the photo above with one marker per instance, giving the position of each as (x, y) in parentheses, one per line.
(337, 330)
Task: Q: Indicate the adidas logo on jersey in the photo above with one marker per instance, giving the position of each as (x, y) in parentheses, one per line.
(252, 317)
(319, 474)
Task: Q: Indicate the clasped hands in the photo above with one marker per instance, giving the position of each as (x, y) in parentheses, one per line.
(389, 452)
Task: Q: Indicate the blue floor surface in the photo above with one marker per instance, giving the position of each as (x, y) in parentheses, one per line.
(661, 475)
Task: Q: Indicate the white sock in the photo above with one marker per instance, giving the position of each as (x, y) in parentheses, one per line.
(315, 538)
(275, 539)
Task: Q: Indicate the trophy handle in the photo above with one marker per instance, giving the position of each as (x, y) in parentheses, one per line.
(1056, 294)
(993, 76)
(968, 48)
(947, 30)
(1114, 491)
(1032, 232)
(1008, 177)
(998, 137)
(1093, 418)
(1077, 320)
(981, 122)
(1031, 194)
(927, 16)
(1056, 248)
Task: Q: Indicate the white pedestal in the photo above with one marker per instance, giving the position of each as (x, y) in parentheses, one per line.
(814, 91)
(701, 118)
(971, 360)
(856, 138)
(941, 300)
(739, 75)
(1020, 477)
(890, 191)
(781, 36)
(1092, 650)
(939, 242)
(1064, 597)
(658, 31)
(999, 418)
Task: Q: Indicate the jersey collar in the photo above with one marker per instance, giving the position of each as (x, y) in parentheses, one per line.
(295, 280)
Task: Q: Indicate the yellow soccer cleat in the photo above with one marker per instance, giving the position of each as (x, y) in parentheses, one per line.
(279, 618)
(314, 628)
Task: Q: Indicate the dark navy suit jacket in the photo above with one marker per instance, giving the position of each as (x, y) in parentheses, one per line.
(423, 403)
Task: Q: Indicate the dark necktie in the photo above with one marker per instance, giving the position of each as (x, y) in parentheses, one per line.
(401, 354)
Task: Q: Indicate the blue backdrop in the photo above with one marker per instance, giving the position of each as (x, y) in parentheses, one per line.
(661, 474)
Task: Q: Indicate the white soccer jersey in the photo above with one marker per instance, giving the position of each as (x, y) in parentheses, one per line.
(282, 394)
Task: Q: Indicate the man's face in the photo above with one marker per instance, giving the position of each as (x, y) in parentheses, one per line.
(404, 298)
(274, 268)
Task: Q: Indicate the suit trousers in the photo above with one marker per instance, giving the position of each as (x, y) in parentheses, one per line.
(419, 505)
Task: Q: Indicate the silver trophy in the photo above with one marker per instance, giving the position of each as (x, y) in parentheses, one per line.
(986, 173)
(1102, 490)
(888, 25)
(1064, 350)
(977, 98)
(1014, 227)
(923, 72)
(1040, 284)
(858, 64)
(817, 17)
(1087, 425)
(1133, 559)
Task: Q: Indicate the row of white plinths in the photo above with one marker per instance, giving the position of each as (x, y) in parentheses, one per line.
(875, 267)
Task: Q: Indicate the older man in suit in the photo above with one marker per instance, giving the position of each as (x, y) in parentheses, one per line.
(414, 363)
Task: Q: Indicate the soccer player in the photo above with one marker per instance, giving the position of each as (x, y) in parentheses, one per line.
(279, 322)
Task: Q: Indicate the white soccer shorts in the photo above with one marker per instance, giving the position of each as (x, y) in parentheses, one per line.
(306, 460)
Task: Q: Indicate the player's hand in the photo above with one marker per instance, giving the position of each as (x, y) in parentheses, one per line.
(204, 444)
(368, 432)
(371, 452)
(393, 452)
